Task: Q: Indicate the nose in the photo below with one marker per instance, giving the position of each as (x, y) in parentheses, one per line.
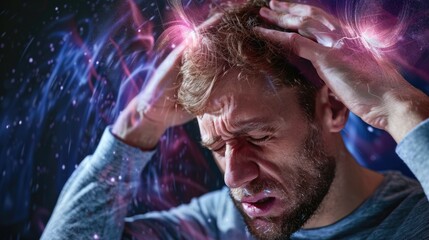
(239, 168)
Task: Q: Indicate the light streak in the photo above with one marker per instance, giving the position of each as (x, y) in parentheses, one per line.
(91, 71)
(378, 30)
(87, 76)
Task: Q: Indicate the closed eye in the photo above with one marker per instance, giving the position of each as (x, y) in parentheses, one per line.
(219, 149)
(259, 139)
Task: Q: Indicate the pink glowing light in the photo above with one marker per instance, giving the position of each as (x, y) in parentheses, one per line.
(182, 25)
(380, 40)
(144, 28)
(180, 31)
(373, 39)
(379, 31)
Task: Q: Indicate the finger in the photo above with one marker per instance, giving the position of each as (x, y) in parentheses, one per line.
(306, 11)
(292, 21)
(299, 45)
(284, 20)
(213, 20)
(305, 26)
(294, 8)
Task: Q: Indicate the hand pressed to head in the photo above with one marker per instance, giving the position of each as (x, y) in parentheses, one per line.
(273, 126)
(364, 81)
(272, 131)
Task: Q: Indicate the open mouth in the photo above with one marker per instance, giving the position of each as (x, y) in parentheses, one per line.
(260, 207)
(262, 202)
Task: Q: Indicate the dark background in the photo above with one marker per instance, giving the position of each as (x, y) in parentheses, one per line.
(62, 64)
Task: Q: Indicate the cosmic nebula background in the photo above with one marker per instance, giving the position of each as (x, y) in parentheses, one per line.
(69, 66)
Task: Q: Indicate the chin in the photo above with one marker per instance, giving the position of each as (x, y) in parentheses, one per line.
(262, 228)
(310, 182)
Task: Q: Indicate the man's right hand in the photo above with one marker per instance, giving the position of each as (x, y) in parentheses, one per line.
(151, 112)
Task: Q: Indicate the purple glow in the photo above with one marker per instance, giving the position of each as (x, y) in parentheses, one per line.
(74, 76)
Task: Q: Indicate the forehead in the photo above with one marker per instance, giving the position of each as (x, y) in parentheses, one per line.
(239, 86)
(242, 98)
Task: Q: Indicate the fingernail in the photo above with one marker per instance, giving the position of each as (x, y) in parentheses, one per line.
(273, 3)
(277, 4)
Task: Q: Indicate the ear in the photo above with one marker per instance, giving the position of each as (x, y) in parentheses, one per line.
(332, 112)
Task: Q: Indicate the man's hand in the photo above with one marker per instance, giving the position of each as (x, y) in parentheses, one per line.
(368, 85)
(151, 112)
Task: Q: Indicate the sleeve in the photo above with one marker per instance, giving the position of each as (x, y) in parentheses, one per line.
(414, 151)
(196, 220)
(94, 201)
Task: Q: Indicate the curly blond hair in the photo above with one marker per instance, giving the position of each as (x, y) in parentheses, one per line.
(233, 44)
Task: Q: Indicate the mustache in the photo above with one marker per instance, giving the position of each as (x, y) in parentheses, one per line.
(266, 187)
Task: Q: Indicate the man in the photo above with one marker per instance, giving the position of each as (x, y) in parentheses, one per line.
(273, 128)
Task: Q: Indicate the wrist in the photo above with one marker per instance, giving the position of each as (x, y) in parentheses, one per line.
(406, 109)
(137, 131)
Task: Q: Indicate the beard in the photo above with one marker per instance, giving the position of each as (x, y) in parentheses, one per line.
(310, 181)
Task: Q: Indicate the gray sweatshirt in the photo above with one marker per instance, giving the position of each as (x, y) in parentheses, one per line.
(93, 203)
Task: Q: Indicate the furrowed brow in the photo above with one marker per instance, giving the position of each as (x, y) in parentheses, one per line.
(244, 127)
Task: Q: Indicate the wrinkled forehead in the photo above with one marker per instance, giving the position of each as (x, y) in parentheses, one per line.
(242, 88)
(238, 99)
(246, 106)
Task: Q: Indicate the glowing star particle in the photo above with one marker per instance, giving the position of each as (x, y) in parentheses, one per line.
(190, 36)
(375, 40)
(378, 30)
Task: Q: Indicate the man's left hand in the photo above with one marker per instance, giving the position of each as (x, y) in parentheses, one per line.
(367, 84)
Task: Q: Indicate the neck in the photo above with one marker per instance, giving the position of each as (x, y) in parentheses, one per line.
(351, 186)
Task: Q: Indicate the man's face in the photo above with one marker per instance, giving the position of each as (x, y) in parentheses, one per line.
(273, 159)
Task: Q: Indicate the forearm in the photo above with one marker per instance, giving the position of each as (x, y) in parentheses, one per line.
(413, 149)
(407, 108)
(94, 201)
(408, 124)
(137, 129)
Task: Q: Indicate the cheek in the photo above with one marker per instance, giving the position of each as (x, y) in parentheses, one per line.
(279, 158)
(244, 154)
